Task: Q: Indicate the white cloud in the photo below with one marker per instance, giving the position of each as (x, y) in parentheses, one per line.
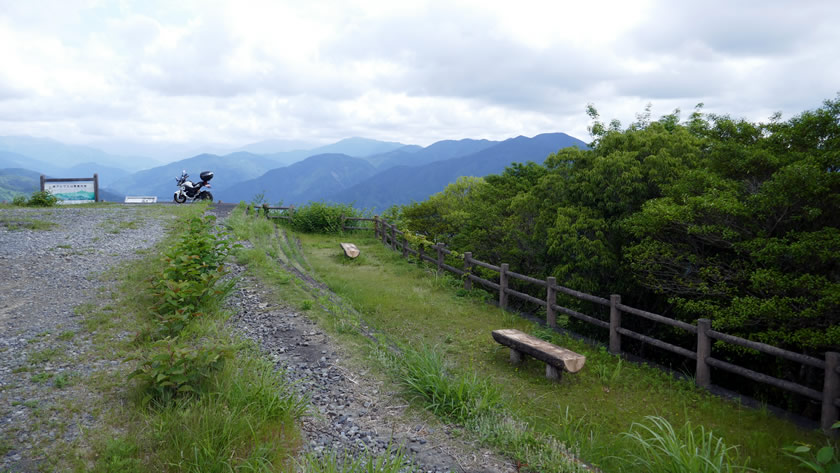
(416, 71)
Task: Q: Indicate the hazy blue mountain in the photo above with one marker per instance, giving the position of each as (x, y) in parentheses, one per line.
(276, 146)
(404, 184)
(440, 151)
(57, 155)
(358, 147)
(311, 179)
(15, 181)
(11, 160)
(107, 175)
(378, 159)
(228, 169)
(355, 147)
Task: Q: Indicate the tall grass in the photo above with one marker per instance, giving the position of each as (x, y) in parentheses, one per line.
(478, 405)
(457, 397)
(239, 426)
(662, 448)
(392, 461)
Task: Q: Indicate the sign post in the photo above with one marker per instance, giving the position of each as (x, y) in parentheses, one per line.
(77, 190)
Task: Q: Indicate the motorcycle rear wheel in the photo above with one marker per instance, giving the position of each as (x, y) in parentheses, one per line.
(204, 195)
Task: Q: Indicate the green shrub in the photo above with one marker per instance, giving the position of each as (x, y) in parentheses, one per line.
(320, 217)
(189, 279)
(42, 199)
(175, 369)
(19, 200)
(825, 460)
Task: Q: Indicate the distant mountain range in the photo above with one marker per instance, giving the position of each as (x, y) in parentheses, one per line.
(365, 173)
(404, 184)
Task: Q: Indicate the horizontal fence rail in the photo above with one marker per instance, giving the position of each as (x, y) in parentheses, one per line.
(702, 355)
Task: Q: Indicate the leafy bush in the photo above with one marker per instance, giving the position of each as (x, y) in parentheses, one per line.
(320, 217)
(19, 200)
(825, 460)
(189, 280)
(42, 199)
(174, 369)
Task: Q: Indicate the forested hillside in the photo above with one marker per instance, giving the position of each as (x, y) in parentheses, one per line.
(707, 217)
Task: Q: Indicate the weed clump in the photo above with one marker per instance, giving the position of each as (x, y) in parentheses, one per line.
(37, 199)
(319, 217)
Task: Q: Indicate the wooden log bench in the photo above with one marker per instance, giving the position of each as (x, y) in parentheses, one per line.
(350, 250)
(556, 358)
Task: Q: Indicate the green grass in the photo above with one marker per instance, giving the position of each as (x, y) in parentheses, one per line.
(392, 461)
(18, 222)
(661, 447)
(590, 411)
(244, 421)
(42, 356)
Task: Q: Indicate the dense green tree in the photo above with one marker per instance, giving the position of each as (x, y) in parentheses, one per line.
(708, 217)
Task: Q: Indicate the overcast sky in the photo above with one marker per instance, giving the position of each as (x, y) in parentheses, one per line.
(236, 72)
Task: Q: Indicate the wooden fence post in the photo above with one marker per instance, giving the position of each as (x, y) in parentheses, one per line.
(503, 284)
(342, 223)
(384, 232)
(439, 249)
(394, 237)
(550, 300)
(702, 375)
(96, 187)
(291, 211)
(831, 391)
(248, 210)
(404, 246)
(615, 323)
(376, 226)
(265, 209)
(420, 253)
(467, 270)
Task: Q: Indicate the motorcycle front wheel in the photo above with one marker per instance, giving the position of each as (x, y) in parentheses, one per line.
(204, 195)
(180, 198)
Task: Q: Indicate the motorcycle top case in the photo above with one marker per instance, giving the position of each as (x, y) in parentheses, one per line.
(206, 175)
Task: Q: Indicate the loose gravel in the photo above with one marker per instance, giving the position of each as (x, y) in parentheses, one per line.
(353, 411)
(45, 356)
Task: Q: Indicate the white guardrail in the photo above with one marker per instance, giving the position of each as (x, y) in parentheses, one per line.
(141, 199)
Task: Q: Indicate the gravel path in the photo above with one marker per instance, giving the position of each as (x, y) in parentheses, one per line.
(44, 354)
(353, 411)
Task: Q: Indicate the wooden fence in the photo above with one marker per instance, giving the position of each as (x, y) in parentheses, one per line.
(702, 355)
(829, 397)
(266, 211)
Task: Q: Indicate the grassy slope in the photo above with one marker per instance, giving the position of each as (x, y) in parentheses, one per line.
(604, 399)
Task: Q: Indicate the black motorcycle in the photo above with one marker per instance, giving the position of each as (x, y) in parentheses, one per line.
(189, 191)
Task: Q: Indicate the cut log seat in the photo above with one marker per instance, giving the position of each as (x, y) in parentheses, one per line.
(556, 358)
(350, 250)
